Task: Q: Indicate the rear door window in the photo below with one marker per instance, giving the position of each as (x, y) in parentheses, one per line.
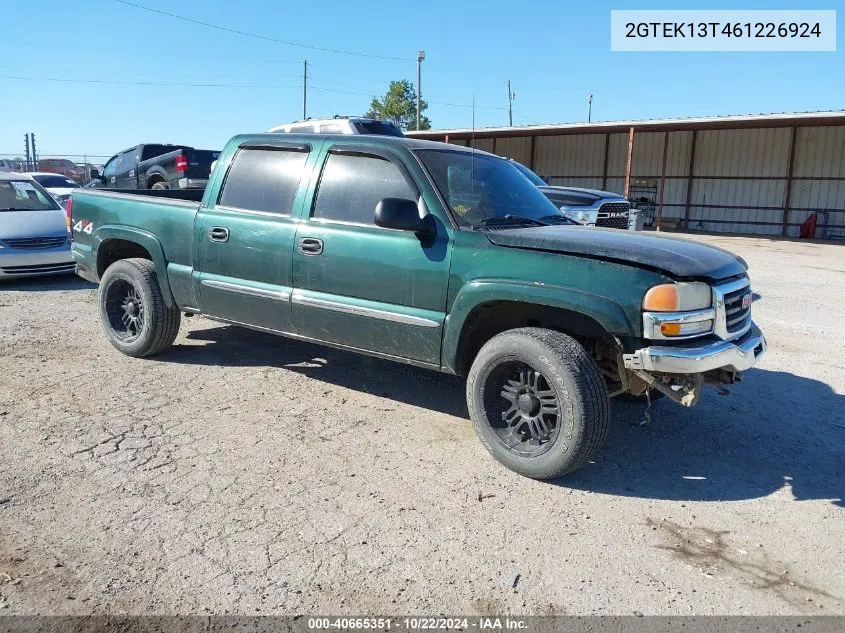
(111, 167)
(127, 161)
(264, 180)
(352, 185)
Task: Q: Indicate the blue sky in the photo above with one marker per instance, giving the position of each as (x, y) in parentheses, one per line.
(554, 54)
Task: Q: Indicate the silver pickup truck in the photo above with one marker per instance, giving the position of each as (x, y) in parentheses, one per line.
(590, 207)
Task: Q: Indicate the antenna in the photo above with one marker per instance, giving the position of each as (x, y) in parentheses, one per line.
(472, 155)
(305, 89)
(473, 118)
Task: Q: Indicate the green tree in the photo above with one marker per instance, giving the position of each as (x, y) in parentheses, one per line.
(399, 105)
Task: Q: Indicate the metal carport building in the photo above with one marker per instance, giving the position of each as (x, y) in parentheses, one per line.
(755, 174)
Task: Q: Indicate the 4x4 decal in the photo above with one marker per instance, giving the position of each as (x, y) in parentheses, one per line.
(84, 226)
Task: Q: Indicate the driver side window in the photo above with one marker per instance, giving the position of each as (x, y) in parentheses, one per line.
(352, 185)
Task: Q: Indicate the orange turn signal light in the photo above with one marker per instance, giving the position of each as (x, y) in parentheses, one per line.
(670, 329)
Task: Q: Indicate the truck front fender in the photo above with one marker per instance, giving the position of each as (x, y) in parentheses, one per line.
(147, 241)
(607, 313)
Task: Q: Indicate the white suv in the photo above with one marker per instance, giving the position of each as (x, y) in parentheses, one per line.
(340, 125)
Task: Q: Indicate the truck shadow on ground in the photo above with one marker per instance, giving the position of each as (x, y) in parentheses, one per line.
(240, 347)
(775, 432)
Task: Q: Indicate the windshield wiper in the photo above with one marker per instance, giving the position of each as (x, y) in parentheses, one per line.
(509, 219)
(558, 219)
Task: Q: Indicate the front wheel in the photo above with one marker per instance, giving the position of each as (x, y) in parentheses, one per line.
(538, 402)
(132, 309)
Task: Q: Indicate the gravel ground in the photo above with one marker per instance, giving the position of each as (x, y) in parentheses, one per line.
(244, 473)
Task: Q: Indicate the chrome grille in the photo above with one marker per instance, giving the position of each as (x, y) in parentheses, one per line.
(735, 314)
(35, 242)
(613, 215)
(733, 308)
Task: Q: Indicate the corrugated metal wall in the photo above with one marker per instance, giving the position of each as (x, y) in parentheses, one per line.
(819, 173)
(739, 177)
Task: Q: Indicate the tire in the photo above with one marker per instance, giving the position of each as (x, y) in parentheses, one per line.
(145, 327)
(569, 383)
(159, 184)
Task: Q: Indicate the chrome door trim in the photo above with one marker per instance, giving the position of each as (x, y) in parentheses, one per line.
(406, 319)
(278, 295)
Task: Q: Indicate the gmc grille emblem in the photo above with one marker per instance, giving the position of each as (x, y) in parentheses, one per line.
(746, 301)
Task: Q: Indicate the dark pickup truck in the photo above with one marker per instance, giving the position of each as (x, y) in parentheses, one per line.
(434, 255)
(156, 166)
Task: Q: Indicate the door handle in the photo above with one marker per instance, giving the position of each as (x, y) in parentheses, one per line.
(218, 234)
(309, 246)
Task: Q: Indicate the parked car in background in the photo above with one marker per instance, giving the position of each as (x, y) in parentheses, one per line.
(340, 125)
(61, 166)
(60, 187)
(11, 165)
(34, 237)
(590, 207)
(156, 166)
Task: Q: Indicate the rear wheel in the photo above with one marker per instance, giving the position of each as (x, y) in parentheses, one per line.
(538, 402)
(132, 309)
(159, 184)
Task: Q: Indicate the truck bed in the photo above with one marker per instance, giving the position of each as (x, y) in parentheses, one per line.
(167, 214)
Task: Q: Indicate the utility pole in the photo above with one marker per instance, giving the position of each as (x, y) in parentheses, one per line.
(511, 97)
(26, 140)
(420, 58)
(305, 89)
(34, 154)
(590, 108)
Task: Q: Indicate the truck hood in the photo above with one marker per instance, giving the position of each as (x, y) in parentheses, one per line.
(672, 255)
(587, 193)
(21, 224)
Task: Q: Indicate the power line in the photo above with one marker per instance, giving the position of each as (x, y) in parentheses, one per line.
(142, 74)
(145, 83)
(227, 58)
(259, 37)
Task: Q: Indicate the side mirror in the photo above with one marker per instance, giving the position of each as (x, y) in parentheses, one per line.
(95, 174)
(402, 214)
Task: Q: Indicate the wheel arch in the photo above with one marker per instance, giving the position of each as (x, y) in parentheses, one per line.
(113, 243)
(484, 309)
(153, 179)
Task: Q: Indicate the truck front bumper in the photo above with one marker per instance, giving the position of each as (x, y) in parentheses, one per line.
(738, 355)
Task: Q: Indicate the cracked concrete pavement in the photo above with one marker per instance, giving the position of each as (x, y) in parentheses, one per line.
(244, 473)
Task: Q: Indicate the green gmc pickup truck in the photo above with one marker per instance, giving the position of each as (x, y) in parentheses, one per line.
(429, 254)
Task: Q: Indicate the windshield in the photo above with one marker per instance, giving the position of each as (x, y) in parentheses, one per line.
(534, 178)
(57, 182)
(478, 187)
(24, 195)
